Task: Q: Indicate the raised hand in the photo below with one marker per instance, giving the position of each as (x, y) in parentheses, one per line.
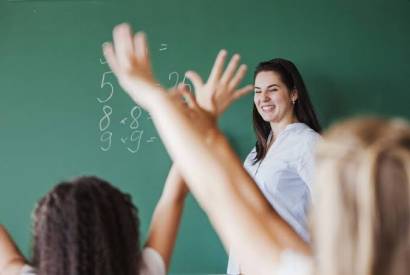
(221, 88)
(203, 121)
(128, 58)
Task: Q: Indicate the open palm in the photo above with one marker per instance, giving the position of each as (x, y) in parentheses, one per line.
(221, 88)
(128, 58)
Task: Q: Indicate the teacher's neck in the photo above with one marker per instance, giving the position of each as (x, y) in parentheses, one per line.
(278, 127)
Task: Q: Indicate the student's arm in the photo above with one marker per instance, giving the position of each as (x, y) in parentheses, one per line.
(167, 216)
(212, 171)
(11, 261)
(216, 95)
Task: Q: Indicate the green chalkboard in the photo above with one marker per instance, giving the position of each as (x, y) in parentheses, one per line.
(62, 114)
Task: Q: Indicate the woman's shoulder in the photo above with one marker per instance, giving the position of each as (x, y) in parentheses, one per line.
(304, 130)
(250, 158)
(304, 139)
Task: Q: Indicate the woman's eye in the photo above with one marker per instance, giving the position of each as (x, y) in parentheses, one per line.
(269, 90)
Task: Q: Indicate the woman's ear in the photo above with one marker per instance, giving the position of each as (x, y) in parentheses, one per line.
(294, 95)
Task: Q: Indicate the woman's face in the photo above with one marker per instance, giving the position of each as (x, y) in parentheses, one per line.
(272, 98)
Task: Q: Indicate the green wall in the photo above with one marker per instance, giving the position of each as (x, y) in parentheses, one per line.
(353, 55)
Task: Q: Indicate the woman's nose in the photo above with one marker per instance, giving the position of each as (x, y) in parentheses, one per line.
(265, 96)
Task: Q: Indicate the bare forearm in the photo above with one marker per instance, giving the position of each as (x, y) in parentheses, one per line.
(167, 216)
(213, 173)
(164, 228)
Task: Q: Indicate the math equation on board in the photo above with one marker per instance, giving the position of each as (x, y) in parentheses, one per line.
(135, 137)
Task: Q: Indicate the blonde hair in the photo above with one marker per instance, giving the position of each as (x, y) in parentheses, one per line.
(361, 210)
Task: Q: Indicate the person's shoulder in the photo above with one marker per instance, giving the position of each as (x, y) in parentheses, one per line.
(17, 267)
(293, 263)
(152, 262)
(249, 160)
(307, 134)
(252, 153)
(304, 130)
(27, 270)
(305, 139)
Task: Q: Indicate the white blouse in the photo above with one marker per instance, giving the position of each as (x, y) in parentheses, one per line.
(293, 263)
(285, 177)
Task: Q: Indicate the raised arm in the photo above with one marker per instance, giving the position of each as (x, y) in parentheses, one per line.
(212, 171)
(167, 216)
(11, 260)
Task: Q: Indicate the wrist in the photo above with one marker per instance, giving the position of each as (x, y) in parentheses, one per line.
(148, 96)
(212, 131)
(158, 102)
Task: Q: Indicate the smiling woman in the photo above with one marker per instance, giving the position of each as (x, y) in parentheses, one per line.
(287, 129)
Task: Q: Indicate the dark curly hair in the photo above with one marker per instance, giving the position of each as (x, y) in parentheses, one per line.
(86, 226)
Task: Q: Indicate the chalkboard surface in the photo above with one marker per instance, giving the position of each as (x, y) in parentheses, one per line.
(62, 114)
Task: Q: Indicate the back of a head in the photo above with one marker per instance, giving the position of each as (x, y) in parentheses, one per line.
(361, 214)
(86, 226)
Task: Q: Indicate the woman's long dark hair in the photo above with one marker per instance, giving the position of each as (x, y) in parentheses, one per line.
(303, 107)
(86, 226)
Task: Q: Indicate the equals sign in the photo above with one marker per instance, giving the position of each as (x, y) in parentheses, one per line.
(164, 47)
(151, 139)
